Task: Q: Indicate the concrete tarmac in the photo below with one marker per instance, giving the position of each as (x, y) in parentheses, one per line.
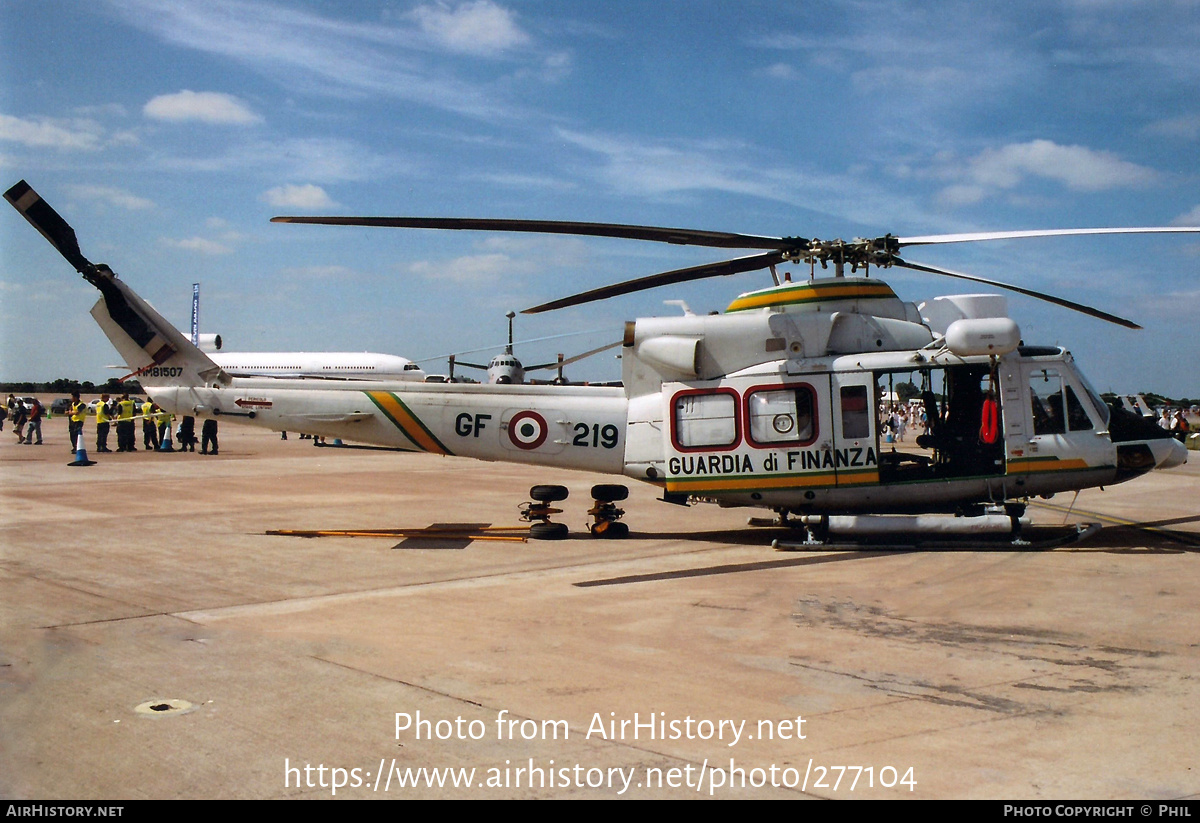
(155, 642)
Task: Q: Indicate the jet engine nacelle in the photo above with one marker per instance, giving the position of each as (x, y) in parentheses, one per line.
(208, 342)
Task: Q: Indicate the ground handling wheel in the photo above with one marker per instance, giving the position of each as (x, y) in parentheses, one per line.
(548, 531)
(538, 512)
(605, 515)
(548, 494)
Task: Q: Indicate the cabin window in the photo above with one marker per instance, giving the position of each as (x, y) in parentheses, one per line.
(781, 416)
(705, 420)
(856, 413)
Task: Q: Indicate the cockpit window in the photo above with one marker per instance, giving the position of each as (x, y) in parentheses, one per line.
(1045, 390)
(1097, 402)
(1056, 407)
(1077, 418)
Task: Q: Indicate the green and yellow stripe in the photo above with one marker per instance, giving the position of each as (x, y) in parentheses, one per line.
(773, 482)
(408, 423)
(1050, 463)
(817, 291)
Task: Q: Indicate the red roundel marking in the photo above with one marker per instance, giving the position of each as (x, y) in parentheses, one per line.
(527, 430)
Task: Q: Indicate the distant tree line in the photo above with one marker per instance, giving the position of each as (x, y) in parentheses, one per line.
(1153, 400)
(65, 386)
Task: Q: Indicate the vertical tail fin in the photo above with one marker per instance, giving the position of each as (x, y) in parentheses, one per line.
(156, 352)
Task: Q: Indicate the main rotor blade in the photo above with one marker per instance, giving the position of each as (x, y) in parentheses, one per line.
(972, 237)
(49, 222)
(726, 267)
(1079, 307)
(574, 359)
(659, 234)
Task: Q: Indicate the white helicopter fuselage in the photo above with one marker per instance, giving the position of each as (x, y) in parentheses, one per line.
(780, 402)
(777, 406)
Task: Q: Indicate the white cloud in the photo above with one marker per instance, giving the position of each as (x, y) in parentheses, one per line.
(308, 52)
(480, 28)
(45, 132)
(1076, 167)
(201, 245)
(669, 168)
(307, 196)
(1191, 218)
(330, 272)
(962, 195)
(201, 106)
(1186, 127)
(113, 196)
(473, 268)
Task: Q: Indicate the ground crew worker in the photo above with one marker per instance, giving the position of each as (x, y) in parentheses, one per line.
(162, 419)
(208, 436)
(125, 440)
(149, 435)
(79, 412)
(187, 434)
(103, 415)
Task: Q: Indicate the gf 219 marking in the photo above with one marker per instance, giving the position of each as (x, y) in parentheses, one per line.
(596, 435)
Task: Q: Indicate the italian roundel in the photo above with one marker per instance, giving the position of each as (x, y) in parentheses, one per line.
(527, 430)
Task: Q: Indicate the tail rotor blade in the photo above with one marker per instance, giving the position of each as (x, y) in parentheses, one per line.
(49, 222)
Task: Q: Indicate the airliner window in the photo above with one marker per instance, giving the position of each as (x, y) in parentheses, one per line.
(705, 420)
(781, 416)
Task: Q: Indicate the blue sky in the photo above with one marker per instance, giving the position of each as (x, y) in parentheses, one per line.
(168, 134)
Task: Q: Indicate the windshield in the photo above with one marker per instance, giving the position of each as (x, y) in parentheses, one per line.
(1101, 407)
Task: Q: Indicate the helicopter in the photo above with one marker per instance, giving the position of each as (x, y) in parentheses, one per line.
(777, 403)
(506, 369)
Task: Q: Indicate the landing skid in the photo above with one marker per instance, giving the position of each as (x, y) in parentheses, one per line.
(1026, 538)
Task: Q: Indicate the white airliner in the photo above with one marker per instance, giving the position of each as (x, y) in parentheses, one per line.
(318, 365)
(306, 365)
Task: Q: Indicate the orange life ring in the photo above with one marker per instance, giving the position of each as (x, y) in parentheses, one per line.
(989, 427)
